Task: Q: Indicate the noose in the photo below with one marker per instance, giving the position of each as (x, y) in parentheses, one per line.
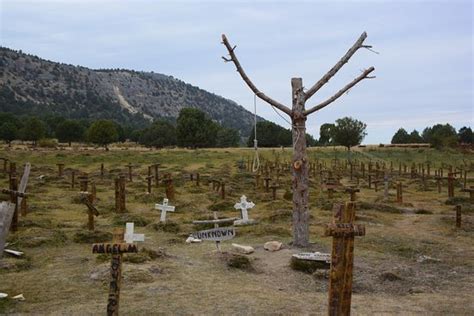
(256, 159)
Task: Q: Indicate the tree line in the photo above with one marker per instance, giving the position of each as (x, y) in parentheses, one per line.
(193, 128)
(438, 135)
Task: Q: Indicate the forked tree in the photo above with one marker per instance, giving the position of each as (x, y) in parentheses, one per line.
(298, 114)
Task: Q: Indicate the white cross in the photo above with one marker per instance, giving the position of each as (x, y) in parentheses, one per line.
(164, 208)
(244, 206)
(130, 237)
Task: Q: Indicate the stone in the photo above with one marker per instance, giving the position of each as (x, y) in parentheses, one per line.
(272, 245)
(243, 249)
(191, 240)
(310, 262)
(427, 259)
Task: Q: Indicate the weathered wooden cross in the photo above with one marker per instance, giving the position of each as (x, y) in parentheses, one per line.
(86, 198)
(116, 249)
(244, 206)
(340, 282)
(164, 208)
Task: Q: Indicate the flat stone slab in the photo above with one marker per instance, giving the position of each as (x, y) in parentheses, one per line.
(242, 222)
(216, 221)
(313, 256)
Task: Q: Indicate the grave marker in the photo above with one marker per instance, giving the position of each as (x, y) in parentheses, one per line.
(7, 210)
(216, 234)
(60, 169)
(164, 208)
(120, 194)
(86, 198)
(340, 280)
(116, 249)
(244, 205)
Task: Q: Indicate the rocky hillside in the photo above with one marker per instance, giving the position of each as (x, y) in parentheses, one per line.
(31, 85)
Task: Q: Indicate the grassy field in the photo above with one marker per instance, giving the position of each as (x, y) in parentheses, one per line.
(59, 274)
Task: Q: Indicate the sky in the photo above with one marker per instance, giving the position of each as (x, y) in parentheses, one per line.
(424, 66)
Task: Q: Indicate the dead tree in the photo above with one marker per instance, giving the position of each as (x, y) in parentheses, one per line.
(298, 114)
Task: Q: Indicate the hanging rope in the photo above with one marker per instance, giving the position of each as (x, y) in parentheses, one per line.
(256, 159)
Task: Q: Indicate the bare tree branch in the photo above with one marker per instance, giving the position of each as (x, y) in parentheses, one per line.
(247, 80)
(337, 67)
(364, 75)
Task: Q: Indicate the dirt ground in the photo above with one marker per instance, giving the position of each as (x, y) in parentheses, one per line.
(413, 260)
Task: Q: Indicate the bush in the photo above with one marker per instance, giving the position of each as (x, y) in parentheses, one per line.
(48, 143)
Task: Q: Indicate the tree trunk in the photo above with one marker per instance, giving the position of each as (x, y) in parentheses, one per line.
(300, 167)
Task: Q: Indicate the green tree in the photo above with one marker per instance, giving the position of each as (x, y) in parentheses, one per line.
(159, 134)
(69, 131)
(465, 135)
(349, 132)
(102, 133)
(33, 130)
(401, 137)
(270, 134)
(326, 132)
(227, 137)
(8, 132)
(195, 129)
(440, 135)
(414, 137)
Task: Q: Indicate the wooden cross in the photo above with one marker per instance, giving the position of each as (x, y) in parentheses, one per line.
(15, 194)
(352, 191)
(244, 205)
(169, 187)
(399, 192)
(130, 172)
(86, 198)
(340, 283)
(274, 187)
(164, 208)
(116, 249)
(458, 216)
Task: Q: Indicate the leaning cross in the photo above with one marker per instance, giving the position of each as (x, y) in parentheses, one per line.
(164, 208)
(342, 258)
(116, 249)
(244, 205)
(6, 215)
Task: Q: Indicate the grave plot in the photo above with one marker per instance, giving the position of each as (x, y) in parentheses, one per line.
(414, 257)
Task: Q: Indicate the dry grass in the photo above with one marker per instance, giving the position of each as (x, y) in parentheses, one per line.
(60, 275)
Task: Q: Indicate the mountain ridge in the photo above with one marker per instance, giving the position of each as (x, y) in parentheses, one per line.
(31, 85)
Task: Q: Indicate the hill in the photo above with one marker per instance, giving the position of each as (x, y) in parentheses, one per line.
(33, 86)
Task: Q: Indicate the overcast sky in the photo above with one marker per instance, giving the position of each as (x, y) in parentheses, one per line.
(424, 69)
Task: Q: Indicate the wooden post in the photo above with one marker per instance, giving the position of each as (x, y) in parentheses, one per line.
(157, 174)
(130, 172)
(60, 169)
(197, 179)
(169, 187)
(274, 187)
(120, 194)
(458, 216)
(84, 181)
(223, 190)
(73, 179)
(399, 193)
(101, 171)
(14, 200)
(93, 196)
(450, 185)
(340, 279)
(267, 183)
(148, 179)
